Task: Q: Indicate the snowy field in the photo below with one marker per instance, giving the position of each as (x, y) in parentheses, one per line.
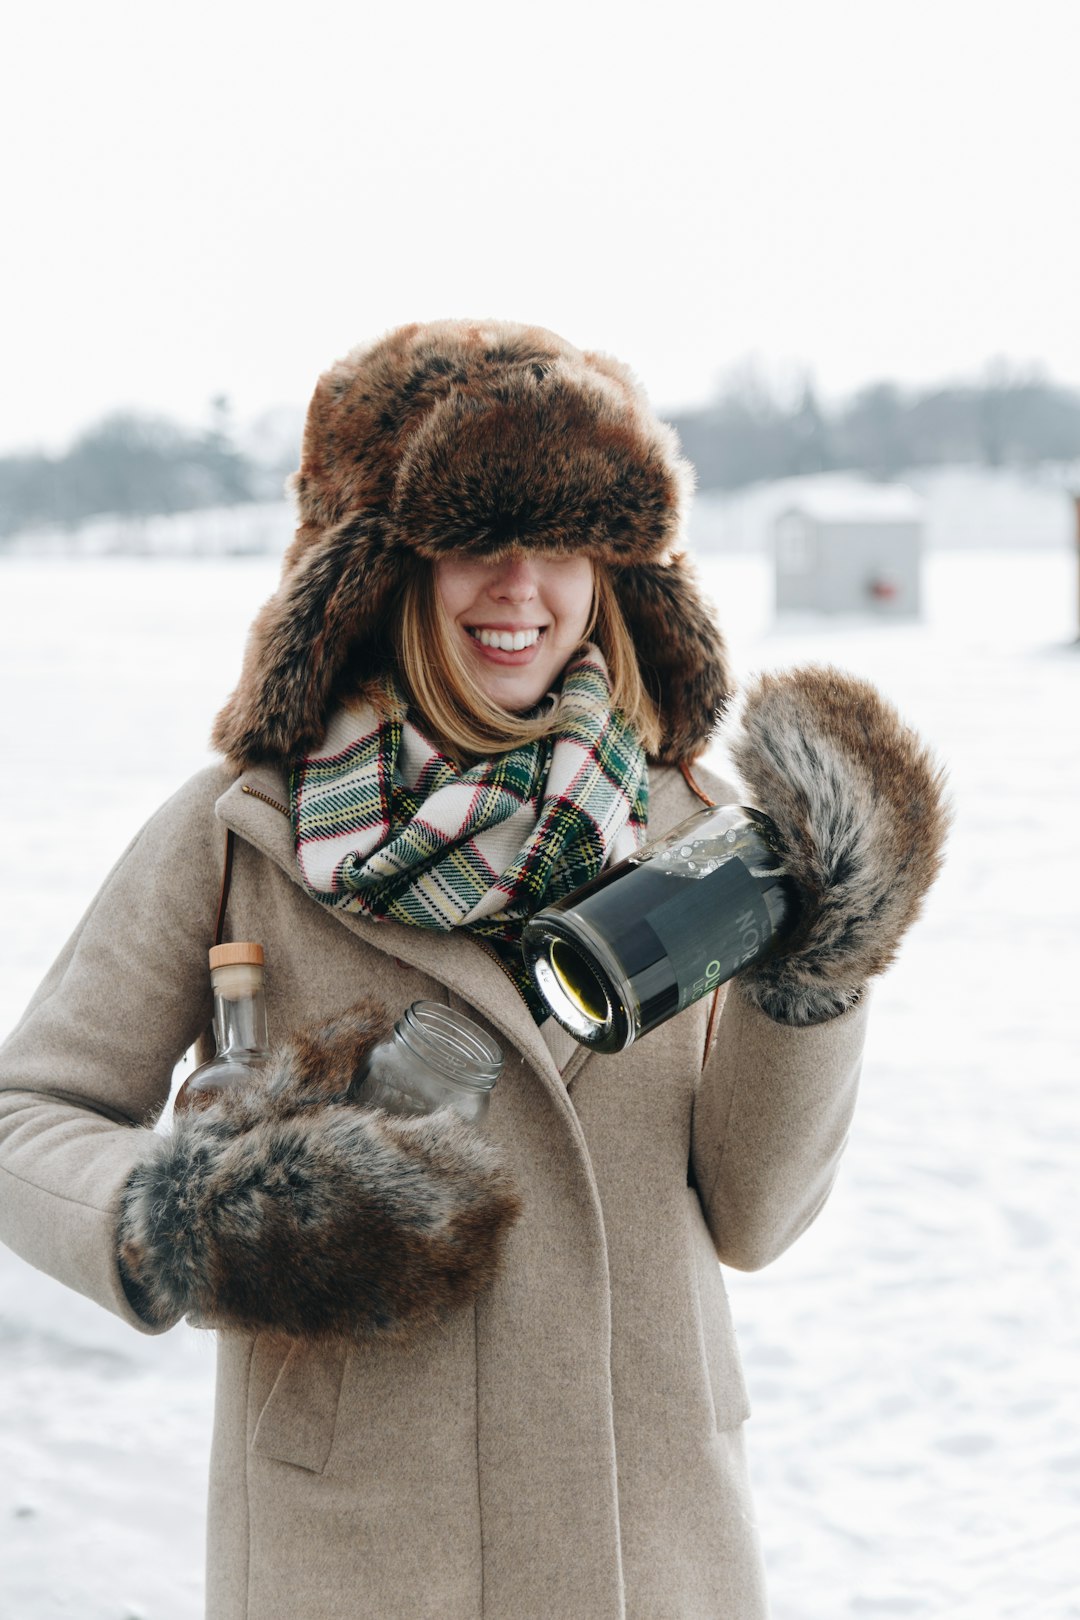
(913, 1361)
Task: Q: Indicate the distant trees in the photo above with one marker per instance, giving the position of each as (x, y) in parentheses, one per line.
(754, 431)
(751, 432)
(128, 464)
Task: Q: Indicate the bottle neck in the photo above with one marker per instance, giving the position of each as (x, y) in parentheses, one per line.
(240, 1022)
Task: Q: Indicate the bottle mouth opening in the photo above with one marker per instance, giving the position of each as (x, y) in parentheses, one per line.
(572, 990)
(453, 1044)
(579, 983)
(586, 1002)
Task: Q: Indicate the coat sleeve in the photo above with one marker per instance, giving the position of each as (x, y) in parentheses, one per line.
(773, 1104)
(87, 1071)
(771, 1116)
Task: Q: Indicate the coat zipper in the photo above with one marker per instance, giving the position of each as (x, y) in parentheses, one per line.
(499, 963)
(265, 797)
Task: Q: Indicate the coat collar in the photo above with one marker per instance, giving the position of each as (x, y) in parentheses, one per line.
(255, 806)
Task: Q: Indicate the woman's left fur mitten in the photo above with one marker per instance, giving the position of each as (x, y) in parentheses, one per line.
(860, 809)
(284, 1207)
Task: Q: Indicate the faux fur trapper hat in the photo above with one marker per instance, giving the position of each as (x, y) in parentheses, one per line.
(475, 437)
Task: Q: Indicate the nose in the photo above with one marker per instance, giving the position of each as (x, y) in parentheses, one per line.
(514, 579)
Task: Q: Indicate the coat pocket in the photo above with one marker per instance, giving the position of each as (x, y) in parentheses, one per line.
(298, 1418)
(731, 1402)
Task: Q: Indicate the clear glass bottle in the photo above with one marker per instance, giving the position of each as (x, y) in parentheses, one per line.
(657, 932)
(236, 973)
(434, 1057)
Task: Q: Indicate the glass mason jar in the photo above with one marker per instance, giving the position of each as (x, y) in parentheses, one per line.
(434, 1057)
(236, 974)
(663, 928)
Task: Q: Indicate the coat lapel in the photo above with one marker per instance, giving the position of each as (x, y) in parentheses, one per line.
(255, 806)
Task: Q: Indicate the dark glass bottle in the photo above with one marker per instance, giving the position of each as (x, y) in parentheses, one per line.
(236, 973)
(663, 928)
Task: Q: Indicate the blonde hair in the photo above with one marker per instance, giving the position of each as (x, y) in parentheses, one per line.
(468, 724)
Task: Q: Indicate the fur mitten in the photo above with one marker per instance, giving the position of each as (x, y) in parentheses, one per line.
(285, 1207)
(860, 809)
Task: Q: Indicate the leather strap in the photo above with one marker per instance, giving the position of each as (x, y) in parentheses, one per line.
(699, 792)
(226, 881)
(714, 1010)
(710, 1032)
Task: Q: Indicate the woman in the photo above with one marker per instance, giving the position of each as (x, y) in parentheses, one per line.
(468, 1374)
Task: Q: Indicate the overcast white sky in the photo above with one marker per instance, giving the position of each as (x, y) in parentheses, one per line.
(222, 197)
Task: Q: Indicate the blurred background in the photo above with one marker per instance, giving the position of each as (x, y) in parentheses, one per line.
(838, 246)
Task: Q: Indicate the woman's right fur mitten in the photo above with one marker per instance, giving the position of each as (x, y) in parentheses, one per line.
(861, 815)
(284, 1207)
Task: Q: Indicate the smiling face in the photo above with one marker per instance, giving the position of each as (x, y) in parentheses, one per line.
(518, 619)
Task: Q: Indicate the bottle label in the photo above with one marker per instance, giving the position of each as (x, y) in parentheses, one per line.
(712, 928)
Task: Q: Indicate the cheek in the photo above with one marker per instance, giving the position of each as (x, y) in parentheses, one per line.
(444, 589)
(575, 604)
(455, 585)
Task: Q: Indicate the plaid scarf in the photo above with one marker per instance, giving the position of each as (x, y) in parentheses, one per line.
(388, 826)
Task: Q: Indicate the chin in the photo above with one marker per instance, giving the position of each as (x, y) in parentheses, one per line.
(517, 699)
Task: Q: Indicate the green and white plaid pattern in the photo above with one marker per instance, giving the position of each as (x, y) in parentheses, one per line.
(387, 825)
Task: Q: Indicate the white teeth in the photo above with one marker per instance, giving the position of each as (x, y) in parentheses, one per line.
(506, 640)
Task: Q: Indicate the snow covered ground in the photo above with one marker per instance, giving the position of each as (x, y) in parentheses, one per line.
(912, 1361)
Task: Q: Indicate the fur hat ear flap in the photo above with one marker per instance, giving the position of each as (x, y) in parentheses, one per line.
(682, 655)
(335, 589)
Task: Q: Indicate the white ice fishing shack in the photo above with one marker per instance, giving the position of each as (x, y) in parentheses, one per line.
(845, 546)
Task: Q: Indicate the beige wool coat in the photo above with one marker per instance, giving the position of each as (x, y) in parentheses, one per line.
(571, 1448)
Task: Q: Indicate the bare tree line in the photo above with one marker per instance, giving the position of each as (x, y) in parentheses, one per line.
(753, 431)
(131, 465)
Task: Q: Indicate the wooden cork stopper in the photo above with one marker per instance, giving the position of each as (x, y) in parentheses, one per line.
(241, 951)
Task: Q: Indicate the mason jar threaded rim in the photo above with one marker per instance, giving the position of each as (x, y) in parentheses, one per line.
(452, 1044)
